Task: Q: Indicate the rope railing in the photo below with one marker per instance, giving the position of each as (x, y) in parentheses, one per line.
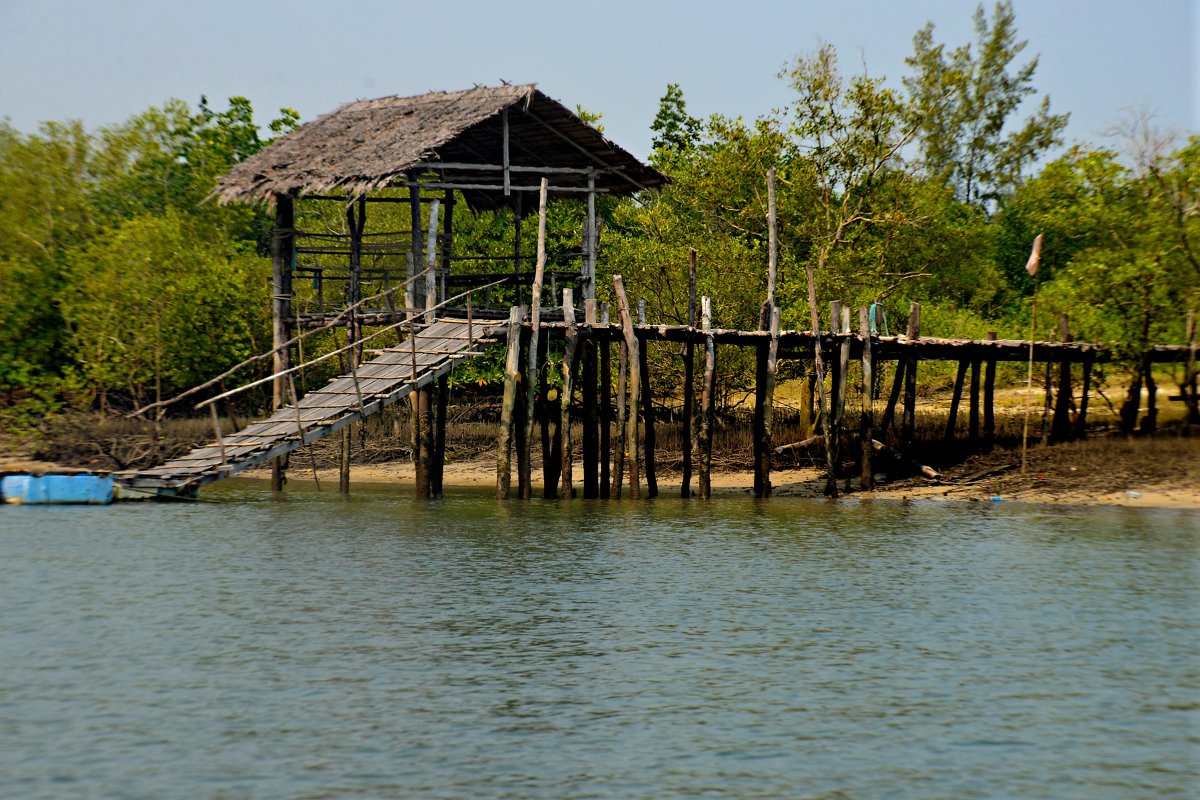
(408, 322)
(337, 320)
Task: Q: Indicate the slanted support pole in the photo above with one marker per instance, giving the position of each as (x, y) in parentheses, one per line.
(973, 408)
(281, 312)
(634, 360)
(955, 399)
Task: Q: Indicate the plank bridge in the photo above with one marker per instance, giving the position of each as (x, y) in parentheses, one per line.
(426, 355)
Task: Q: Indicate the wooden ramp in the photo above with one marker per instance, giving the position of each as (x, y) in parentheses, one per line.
(389, 377)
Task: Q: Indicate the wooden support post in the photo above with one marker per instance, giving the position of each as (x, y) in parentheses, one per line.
(425, 432)
(889, 411)
(281, 312)
(952, 420)
(635, 385)
(843, 362)
(550, 413)
(819, 367)
(909, 427)
(606, 409)
(973, 409)
(447, 241)
(649, 437)
(568, 389)
(591, 417)
(620, 450)
(689, 380)
(508, 406)
(1189, 388)
(708, 394)
(442, 402)
(431, 256)
(521, 414)
(865, 423)
(764, 407)
(344, 461)
(535, 325)
(412, 290)
(1060, 429)
(989, 401)
(1085, 390)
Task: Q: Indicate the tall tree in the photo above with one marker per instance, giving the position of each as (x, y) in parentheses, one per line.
(965, 103)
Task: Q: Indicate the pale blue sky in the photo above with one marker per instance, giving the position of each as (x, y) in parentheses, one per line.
(104, 61)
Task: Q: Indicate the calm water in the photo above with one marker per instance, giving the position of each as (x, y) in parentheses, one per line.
(313, 648)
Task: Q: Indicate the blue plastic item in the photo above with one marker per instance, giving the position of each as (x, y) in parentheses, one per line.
(56, 489)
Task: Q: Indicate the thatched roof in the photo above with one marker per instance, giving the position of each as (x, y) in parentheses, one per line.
(367, 144)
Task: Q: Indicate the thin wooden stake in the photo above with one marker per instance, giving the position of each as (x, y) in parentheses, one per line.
(508, 406)
(535, 330)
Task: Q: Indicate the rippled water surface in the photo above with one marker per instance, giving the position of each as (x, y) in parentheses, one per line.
(314, 647)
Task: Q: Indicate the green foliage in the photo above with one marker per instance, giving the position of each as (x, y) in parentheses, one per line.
(964, 102)
(675, 130)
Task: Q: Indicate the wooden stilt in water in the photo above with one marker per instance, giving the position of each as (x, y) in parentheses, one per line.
(909, 427)
(606, 409)
(568, 390)
(344, 462)
(508, 407)
(521, 425)
(865, 423)
(689, 382)
(633, 359)
(989, 401)
(535, 318)
(768, 355)
(281, 312)
(1060, 428)
(1085, 390)
(425, 473)
(952, 420)
(973, 408)
(441, 394)
(704, 428)
(549, 415)
(843, 373)
(588, 411)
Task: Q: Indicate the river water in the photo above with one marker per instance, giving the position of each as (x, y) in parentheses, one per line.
(315, 647)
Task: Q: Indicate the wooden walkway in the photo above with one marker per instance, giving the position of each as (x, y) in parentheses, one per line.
(391, 376)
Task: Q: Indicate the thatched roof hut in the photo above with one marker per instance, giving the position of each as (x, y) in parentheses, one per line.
(487, 142)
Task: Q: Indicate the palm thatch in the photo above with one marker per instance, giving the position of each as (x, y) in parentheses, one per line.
(369, 144)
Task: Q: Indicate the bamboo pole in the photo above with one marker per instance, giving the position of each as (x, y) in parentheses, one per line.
(508, 406)
(535, 316)
(635, 381)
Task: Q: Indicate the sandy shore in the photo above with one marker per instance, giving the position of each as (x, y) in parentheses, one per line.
(1156, 473)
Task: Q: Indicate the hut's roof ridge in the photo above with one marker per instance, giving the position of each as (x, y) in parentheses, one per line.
(364, 144)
